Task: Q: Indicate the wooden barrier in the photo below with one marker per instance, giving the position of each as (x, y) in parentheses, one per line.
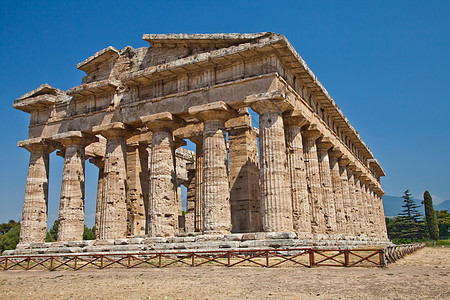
(393, 253)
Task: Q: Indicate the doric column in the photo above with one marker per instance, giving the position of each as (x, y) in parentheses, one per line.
(367, 206)
(71, 210)
(353, 202)
(301, 213)
(310, 135)
(113, 211)
(216, 186)
(244, 179)
(163, 202)
(137, 187)
(329, 210)
(343, 161)
(383, 231)
(33, 227)
(275, 184)
(337, 184)
(198, 211)
(360, 218)
(99, 162)
(189, 220)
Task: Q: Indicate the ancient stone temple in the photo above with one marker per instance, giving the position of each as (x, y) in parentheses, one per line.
(303, 172)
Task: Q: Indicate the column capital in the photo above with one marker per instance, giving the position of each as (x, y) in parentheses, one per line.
(294, 118)
(325, 143)
(352, 166)
(216, 111)
(264, 105)
(164, 121)
(113, 130)
(335, 153)
(344, 160)
(43, 144)
(98, 161)
(312, 132)
(74, 137)
(198, 139)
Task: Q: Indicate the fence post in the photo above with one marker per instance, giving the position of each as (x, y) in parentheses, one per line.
(311, 258)
(6, 263)
(346, 257)
(76, 262)
(267, 259)
(159, 265)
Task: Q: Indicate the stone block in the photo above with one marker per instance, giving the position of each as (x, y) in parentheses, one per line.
(281, 235)
(121, 241)
(234, 237)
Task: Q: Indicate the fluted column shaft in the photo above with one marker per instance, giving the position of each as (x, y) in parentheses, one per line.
(359, 213)
(275, 184)
(113, 210)
(33, 227)
(163, 202)
(216, 195)
(71, 211)
(353, 210)
(383, 232)
(327, 188)
(313, 181)
(198, 218)
(99, 162)
(189, 219)
(346, 200)
(337, 190)
(301, 212)
(216, 185)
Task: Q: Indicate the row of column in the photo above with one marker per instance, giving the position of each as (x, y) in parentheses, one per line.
(306, 185)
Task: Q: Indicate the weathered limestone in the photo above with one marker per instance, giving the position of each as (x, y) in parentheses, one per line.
(163, 202)
(244, 180)
(113, 215)
(275, 184)
(34, 217)
(137, 187)
(343, 161)
(310, 135)
(71, 211)
(100, 164)
(148, 101)
(216, 188)
(337, 184)
(301, 214)
(323, 145)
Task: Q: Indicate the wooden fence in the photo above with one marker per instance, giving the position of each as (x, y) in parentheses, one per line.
(269, 258)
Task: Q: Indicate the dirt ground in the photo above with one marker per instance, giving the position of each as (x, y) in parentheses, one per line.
(422, 275)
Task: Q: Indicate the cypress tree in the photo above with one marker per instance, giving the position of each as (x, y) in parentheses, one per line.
(430, 216)
(410, 219)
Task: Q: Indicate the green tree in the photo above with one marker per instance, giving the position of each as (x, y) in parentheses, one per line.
(443, 220)
(410, 221)
(52, 234)
(5, 227)
(10, 239)
(89, 233)
(430, 216)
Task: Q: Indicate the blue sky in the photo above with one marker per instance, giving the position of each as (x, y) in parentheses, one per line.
(385, 63)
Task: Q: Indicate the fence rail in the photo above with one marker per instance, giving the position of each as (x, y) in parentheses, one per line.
(394, 253)
(269, 258)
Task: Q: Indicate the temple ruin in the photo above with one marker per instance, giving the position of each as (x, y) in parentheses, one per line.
(302, 173)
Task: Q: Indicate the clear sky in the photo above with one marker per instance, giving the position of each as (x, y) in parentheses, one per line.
(385, 63)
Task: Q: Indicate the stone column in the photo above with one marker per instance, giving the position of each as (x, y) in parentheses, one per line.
(99, 162)
(275, 189)
(198, 211)
(337, 184)
(137, 177)
(329, 210)
(216, 186)
(353, 203)
(383, 232)
(244, 180)
(71, 210)
(113, 210)
(359, 213)
(301, 213)
(310, 135)
(33, 228)
(190, 201)
(346, 200)
(367, 206)
(163, 202)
